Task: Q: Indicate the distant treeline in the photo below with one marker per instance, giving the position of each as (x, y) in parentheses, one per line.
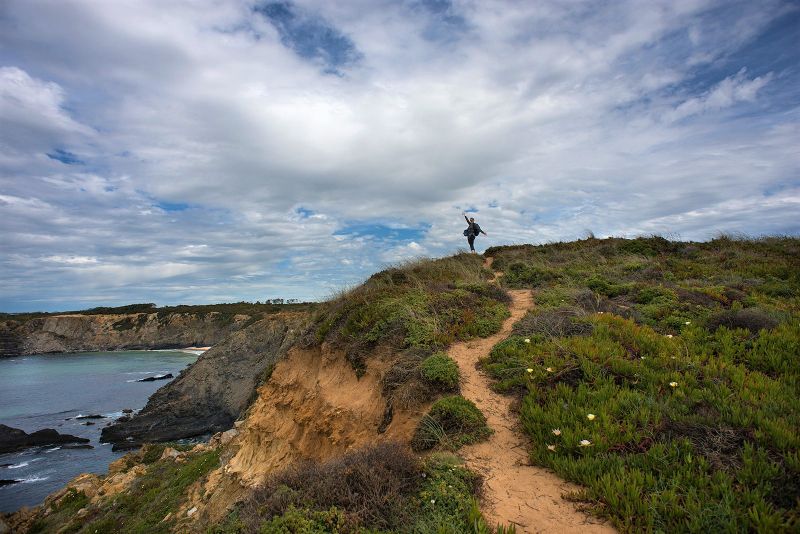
(227, 309)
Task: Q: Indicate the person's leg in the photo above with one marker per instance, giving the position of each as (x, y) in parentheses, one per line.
(471, 240)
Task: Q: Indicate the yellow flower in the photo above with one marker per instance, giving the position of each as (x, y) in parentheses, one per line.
(590, 417)
(669, 336)
(585, 443)
(529, 370)
(549, 369)
(527, 340)
(551, 447)
(673, 384)
(556, 432)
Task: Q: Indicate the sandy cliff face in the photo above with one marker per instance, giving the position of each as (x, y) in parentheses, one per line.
(77, 333)
(209, 395)
(313, 407)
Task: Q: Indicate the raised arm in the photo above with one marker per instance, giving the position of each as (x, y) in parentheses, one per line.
(464, 213)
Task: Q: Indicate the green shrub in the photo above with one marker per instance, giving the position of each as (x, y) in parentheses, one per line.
(521, 275)
(440, 370)
(450, 423)
(604, 287)
(749, 318)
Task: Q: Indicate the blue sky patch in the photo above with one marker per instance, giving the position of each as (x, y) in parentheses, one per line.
(383, 231)
(305, 213)
(172, 206)
(65, 157)
(310, 36)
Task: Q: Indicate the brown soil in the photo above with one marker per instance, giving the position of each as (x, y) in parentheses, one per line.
(515, 492)
(313, 407)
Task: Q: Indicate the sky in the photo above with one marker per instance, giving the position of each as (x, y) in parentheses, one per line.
(201, 151)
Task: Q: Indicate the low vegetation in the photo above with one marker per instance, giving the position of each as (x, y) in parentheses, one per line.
(147, 506)
(450, 423)
(663, 377)
(383, 488)
(440, 370)
(426, 304)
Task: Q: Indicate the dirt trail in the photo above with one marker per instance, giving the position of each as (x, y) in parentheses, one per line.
(514, 491)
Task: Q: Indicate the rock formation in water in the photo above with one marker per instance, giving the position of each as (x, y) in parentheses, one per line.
(209, 395)
(14, 439)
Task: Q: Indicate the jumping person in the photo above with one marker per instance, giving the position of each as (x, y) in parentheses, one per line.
(472, 230)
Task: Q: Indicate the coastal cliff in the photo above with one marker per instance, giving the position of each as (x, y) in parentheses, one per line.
(85, 333)
(210, 394)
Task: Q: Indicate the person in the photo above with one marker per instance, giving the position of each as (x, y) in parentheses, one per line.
(472, 230)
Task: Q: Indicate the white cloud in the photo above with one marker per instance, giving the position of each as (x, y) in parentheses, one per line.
(731, 90)
(211, 160)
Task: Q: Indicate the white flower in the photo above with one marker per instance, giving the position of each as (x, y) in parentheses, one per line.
(433, 501)
(549, 369)
(529, 370)
(556, 432)
(590, 416)
(527, 340)
(641, 357)
(669, 336)
(585, 443)
(688, 322)
(551, 447)
(673, 384)
(601, 313)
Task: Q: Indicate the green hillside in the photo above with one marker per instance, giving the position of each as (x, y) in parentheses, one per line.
(664, 377)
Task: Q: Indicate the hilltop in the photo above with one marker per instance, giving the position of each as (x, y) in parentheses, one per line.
(660, 378)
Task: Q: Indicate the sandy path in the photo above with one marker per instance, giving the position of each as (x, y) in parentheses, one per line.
(514, 491)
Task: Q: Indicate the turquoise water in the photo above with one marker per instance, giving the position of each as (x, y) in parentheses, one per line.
(49, 391)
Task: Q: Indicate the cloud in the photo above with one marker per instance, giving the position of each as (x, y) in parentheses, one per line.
(731, 90)
(227, 150)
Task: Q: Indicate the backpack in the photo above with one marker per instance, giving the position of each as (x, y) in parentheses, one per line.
(466, 232)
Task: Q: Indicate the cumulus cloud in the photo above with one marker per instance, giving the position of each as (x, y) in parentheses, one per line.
(243, 149)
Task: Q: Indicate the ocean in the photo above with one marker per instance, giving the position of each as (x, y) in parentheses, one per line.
(49, 391)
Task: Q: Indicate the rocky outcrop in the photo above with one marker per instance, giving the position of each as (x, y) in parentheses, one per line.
(83, 333)
(209, 395)
(14, 439)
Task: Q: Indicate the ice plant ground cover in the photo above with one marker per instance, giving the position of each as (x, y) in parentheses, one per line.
(694, 430)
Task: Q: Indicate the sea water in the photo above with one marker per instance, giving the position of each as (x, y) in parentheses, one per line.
(50, 391)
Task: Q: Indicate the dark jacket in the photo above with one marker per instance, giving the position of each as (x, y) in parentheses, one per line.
(473, 229)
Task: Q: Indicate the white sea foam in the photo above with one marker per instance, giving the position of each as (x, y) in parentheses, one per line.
(53, 449)
(32, 478)
(17, 466)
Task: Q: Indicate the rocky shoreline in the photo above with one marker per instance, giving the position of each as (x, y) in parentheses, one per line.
(214, 391)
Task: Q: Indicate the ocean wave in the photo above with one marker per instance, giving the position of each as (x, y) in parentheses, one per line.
(32, 478)
(53, 449)
(113, 415)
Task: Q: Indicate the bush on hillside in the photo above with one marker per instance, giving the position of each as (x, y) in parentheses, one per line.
(441, 371)
(749, 318)
(434, 495)
(368, 485)
(450, 423)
